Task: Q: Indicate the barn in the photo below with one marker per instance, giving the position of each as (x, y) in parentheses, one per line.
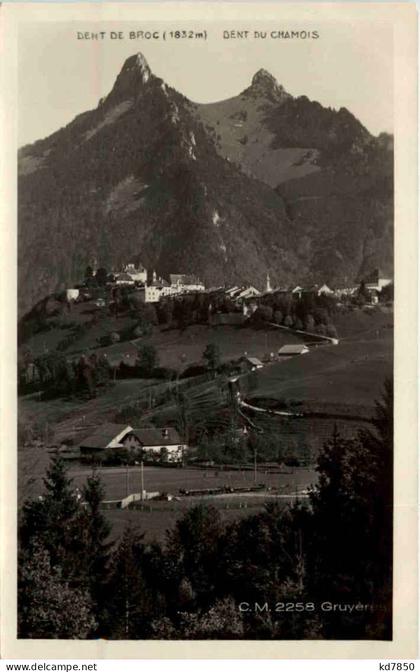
(293, 349)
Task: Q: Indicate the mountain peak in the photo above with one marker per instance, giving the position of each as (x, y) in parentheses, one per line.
(132, 79)
(264, 78)
(137, 64)
(263, 84)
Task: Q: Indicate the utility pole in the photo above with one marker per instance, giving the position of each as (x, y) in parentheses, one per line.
(142, 479)
(255, 466)
(127, 491)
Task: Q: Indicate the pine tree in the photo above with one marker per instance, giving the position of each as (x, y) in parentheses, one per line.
(130, 605)
(55, 519)
(97, 549)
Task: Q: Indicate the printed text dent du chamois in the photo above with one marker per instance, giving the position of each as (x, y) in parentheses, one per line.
(199, 34)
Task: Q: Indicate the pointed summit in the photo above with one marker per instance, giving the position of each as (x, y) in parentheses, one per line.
(137, 65)
(263, 78)
(133, 77)
(264, 84)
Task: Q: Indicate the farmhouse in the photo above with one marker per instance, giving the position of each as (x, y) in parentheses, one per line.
(251, 363)
(161, 443)
(293, 349)
(108, 435)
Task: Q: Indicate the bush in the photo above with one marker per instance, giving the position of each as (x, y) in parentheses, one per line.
(331, 331)
(164, 373)
(195, 370)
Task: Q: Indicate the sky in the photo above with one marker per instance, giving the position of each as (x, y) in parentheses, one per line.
(61, 76)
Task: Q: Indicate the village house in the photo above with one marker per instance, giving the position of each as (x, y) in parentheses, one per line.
(376, 281)
(324, 290)
(317, 290)
(185, 283)
(246, 293)
(251, 363)
(137, 274)
(72, 294)
(298, 291)
(293, 349)
(152, 291)
(161, 443)
(124, 279)
(231, 291)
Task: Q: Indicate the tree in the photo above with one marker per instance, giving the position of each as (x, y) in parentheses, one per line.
(97, 549)
(101, 276)
(48, 607)
(55, 518)
(211, 356)
(309, 323)
(321, 329)
(288, 321)
(165, 311)
(222, 621)
(130, 604)
(331, 331)
(263, 314)
(193, 549)
(147, 359)
(278, 316)
(387, 293)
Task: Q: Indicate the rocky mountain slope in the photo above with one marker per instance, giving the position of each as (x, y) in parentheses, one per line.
(228, 191)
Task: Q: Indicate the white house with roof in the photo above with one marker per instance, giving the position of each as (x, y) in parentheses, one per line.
(137, 273)
(376, 281)
(247, 293)
(124, 279)
(158, 442)
(185, 283)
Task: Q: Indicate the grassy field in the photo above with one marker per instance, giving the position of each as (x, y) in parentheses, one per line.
(160, 479)
(158, 516)
(351, 373)
(233, 342)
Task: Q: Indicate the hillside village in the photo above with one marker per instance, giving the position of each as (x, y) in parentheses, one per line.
(151, 288)
(179, 302)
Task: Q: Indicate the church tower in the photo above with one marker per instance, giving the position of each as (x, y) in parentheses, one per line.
(268, 284)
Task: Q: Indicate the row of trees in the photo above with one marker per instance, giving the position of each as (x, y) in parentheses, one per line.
(206, 579)
(309, 312)
(56, 375)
